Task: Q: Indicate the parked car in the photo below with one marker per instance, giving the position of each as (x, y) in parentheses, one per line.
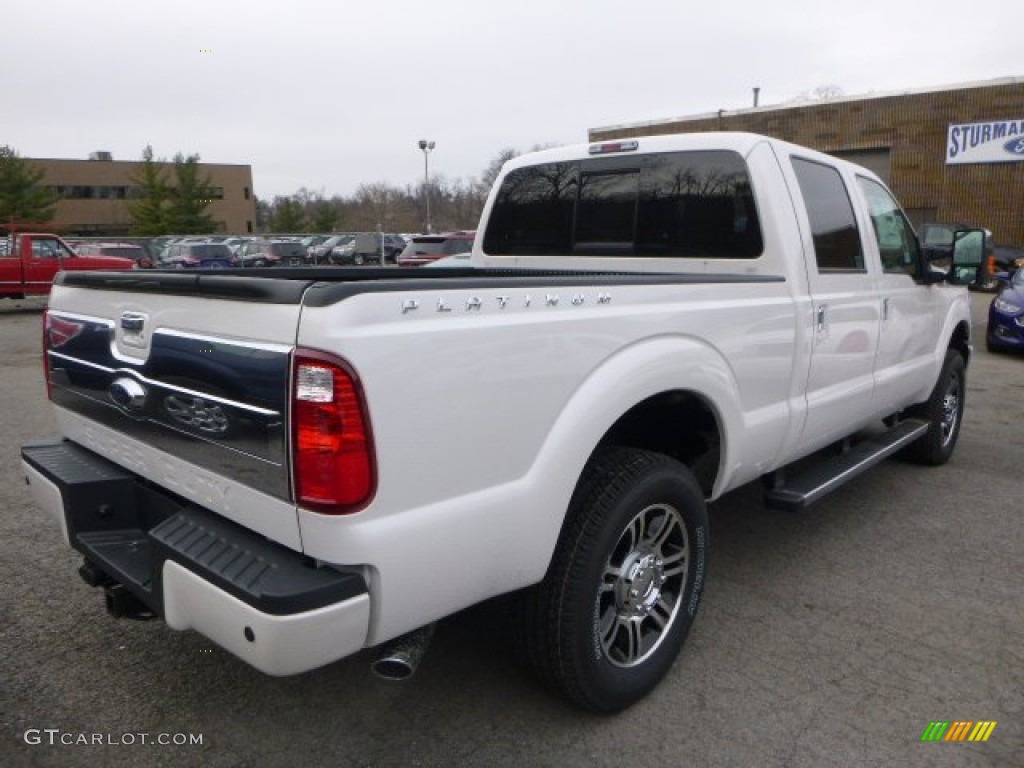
(1006, 316)
(1006, 258)
(202, 255)
(125, 250)
(311, 241)
(320, 254)
(270, 253)
(393, 247)
(32, 261)
(423, 249)
(157, 244)
(234, 243)
(367, 247)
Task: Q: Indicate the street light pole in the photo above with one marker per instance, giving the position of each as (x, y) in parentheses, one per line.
(426, 146)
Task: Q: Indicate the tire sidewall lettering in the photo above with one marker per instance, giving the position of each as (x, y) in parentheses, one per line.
(696, 587)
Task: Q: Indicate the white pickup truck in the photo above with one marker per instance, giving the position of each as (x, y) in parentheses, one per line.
(303, 463)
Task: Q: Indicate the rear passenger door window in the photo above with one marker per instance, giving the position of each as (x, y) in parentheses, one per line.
(830, 213)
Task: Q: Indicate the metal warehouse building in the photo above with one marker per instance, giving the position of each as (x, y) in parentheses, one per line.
(951, 154)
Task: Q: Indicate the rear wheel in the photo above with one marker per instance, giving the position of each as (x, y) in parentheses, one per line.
(625, 581)
(943, 411)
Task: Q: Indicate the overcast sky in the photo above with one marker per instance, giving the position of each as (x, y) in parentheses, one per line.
(328, 94)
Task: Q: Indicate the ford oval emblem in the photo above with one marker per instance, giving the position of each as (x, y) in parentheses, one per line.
(127, 393)
(1015, 146)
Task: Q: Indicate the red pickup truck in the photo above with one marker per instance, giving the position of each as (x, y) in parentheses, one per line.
(29, 261)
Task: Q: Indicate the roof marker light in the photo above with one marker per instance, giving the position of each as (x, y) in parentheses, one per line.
(613, 146)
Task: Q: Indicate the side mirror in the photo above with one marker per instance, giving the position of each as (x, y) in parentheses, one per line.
(968, 255)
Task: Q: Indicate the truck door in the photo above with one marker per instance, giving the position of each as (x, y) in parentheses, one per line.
(845, 308)
(909, 332)
(44, 257)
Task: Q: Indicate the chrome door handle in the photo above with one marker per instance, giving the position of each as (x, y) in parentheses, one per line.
(822, 315)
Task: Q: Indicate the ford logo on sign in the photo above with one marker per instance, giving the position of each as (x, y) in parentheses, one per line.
(1014, 146)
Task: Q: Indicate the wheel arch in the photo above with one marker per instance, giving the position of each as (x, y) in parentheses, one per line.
(960, 340)
(680, 423)
(670, 395)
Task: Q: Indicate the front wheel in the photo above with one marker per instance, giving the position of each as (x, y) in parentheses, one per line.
(944, 411)
(623, 588)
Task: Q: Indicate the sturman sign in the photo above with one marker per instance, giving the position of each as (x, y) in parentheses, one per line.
(997, 141)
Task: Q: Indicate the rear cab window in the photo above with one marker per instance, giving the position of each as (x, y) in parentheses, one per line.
(691, 204)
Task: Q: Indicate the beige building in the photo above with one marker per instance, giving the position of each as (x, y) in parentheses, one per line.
(93, 194)
(952, 154)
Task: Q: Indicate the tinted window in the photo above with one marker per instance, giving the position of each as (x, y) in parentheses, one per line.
(606, 212)
(458, 245)
(437, 245)
(833, 227)
(696, 204)
(534, 211)
(289, 249)
(425, 245)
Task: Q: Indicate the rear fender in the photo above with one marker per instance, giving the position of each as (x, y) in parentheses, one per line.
(633, 375)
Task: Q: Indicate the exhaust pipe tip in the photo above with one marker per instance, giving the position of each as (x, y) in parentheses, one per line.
(394, 668)
(402, 657)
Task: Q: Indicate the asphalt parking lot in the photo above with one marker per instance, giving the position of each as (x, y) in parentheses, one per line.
(827, 638)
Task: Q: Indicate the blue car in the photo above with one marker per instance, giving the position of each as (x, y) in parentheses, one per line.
(1006, 316)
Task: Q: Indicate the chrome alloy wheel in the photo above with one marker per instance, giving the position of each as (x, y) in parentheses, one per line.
(951, 409)
(642, 585)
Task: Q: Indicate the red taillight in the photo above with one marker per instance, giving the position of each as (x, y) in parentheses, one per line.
(332, 445)
(57, 331)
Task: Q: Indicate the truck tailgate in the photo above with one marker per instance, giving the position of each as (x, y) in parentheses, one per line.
(169, 384)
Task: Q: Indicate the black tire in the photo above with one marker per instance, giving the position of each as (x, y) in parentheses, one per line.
(358, 259)
(625, 581)
(944, 411)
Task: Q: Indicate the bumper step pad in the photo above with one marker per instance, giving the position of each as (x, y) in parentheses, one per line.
(127, 530)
